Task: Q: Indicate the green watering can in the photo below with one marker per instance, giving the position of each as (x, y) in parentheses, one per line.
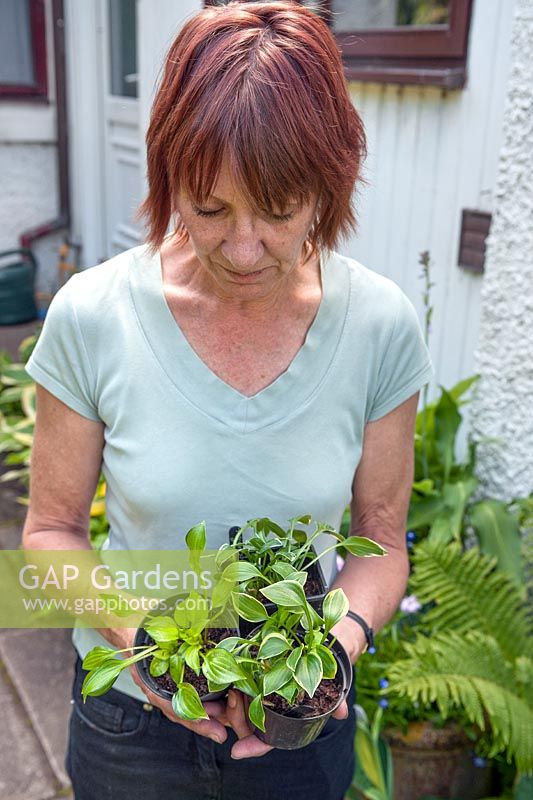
(17, 281)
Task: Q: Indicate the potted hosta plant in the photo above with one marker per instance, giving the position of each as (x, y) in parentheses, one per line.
(295, 672)
(178, 656)
(269, 553)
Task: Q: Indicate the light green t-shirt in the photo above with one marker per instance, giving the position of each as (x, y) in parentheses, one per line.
(181, 445)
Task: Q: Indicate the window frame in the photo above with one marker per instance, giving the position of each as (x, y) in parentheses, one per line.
(429, 55)
(39, 89)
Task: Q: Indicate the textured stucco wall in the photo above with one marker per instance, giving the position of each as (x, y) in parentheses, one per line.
(504, 404)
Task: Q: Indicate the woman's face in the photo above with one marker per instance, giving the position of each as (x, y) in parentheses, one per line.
(245, 255)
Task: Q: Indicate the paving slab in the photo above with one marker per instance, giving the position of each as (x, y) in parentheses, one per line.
(10, 536)
(12, 335)
(24, 771)
(39, 665)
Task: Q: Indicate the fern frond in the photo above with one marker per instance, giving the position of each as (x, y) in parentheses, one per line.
(471, 594)
(469, 671)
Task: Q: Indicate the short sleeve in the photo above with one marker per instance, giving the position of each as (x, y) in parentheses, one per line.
(405, 365)
(60, 361)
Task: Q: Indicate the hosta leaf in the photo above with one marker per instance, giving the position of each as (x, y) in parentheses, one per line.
(248, 607)
(289, 691)
(97, 656)
(187, 704)
(247, 685)
(219, 666)
(240, 571)
(282, 569)
(221, 593)
(228, 643)
(329, 663)
(334, 607)
(276, 678)
(175, 667)
(192, 657)
(158, 666)
(288, 594)
(195, 538)
(101, 679)
(256, 713)
(299, 576)
(162, 629)
(273, 645)
(292, 660)
(309, 673)
(362, 546)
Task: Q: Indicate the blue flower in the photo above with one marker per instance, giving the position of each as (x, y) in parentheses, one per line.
(384, 703)
(371, 650)
(410, 536)
(479, 761)
(383, 683)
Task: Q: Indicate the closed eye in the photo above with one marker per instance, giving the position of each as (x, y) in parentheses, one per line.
(201, 212)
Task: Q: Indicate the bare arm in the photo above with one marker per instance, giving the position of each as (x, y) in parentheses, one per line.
(65, 466)
(381, 492)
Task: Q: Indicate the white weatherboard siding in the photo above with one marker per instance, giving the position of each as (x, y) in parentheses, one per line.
(504, 403)
(431, 154)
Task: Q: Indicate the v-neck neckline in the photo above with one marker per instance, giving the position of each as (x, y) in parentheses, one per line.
(195, 380)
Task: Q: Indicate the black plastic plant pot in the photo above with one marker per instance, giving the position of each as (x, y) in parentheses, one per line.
(292, 732)
(142, 639)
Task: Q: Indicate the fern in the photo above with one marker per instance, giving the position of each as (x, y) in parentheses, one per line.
(470, 594)
(469, 671)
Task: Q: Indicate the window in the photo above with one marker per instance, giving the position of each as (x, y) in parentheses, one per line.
(123, 48)
(22, 49)
(399, 41)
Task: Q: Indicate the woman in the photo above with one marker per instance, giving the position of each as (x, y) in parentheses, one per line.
(236, 368)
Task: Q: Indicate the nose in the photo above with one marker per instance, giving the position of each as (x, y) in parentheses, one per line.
(242, 247)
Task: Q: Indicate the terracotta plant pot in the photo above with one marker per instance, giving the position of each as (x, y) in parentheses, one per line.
(292, 732)
(435, 762)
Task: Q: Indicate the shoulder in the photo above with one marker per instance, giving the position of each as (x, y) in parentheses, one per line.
(376, 301)
(97, 288)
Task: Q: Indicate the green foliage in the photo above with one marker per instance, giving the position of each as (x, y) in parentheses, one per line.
(289, 653)
(17, 423)
(271, 552)
(469, 671)
(442, 506)
(472, 650)
(373, 778)
(468, 592)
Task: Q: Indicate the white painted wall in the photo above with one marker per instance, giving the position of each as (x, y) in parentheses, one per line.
(431, 154)
(504, 405)
(28, 152)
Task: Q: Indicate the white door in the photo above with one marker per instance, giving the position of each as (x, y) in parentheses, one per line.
(122, 184)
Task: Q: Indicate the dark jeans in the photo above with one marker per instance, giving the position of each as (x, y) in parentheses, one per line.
(119, 749)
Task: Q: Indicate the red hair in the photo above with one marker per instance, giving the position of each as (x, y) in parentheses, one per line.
(263, 84)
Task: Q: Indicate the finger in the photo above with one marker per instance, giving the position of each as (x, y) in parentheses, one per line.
(211, 728)
(342, 711)
(236, 713)
(249, 747)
